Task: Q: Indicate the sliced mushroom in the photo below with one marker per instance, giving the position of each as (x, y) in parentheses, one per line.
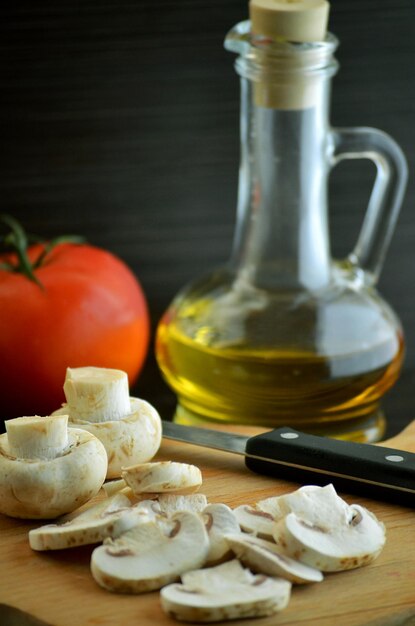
(227, 591)
(98, 401)
(220, 520)
(162, 476)
(108, 518)
(166, 504)
(265, 557)
(311, 500)
(272, 506)
(255, 521)
(260, 519)
(111, 487)
(331, 539)
(46, 469)
(173, 503)
(151, 508)
(151, 555)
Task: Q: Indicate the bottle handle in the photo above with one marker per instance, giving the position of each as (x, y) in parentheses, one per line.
(386, 197)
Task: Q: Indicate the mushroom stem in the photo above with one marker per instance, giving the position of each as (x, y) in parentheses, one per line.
(97, 394)
(37, 437)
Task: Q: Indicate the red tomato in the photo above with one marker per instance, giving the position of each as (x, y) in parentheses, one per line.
(89, 310)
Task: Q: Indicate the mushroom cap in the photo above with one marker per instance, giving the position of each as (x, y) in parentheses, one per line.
(265, 557)
(333, 546)
(226, 591)
(132, 439)
(108, 518)
(151, 555)
(48, 488)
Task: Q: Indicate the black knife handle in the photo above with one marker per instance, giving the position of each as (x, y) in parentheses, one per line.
(374, 471)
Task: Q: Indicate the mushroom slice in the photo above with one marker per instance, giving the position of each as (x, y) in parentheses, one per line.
(162, 476)
(166, 504)
(224, 592)
(98, 401)
(220, 520)
(151, 555)
(331, 545)
(255, 521)
(152, 509)
(272, 506)
(46, 469)
(109, 518)
(279, 506)
(313, 502)
(112, 487)
(171, 503)
(260, 518)
(265, 557)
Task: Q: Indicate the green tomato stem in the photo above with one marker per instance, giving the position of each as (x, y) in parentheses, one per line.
(18, 241)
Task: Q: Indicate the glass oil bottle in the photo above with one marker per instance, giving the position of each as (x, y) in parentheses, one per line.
(284, 334)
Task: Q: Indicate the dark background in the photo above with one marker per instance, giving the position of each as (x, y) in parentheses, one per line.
(119, 121)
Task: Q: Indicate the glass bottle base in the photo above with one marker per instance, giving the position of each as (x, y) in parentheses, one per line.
(367, 429)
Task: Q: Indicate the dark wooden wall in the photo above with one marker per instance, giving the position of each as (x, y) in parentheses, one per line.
(119, 120)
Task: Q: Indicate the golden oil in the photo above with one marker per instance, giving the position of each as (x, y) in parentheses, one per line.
(238, 383)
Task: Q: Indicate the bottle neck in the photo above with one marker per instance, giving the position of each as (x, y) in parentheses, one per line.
(281, 237)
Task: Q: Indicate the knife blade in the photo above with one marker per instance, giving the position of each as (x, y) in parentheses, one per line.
(375, 471)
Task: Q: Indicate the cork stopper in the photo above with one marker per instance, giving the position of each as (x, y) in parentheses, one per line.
(290, 21)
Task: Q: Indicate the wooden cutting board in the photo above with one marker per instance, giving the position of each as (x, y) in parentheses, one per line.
(57, 587)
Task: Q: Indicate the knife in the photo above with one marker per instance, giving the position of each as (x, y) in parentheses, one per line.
(376, 471)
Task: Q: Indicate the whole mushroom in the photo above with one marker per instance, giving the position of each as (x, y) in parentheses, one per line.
(98, 401)
(48, 469)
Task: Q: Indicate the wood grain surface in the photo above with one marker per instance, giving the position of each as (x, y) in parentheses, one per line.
(119, 120)
(57, 587)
